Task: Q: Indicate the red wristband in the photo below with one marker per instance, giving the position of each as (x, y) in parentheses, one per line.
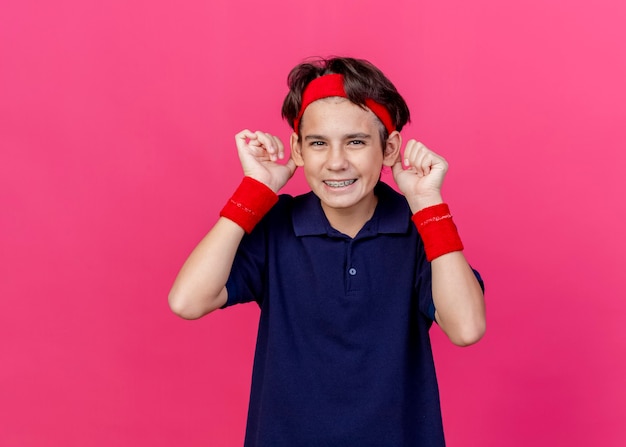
(250, 202)
(437, 230)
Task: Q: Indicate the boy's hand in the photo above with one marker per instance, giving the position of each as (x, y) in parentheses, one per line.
(258, 154)
(419, 175)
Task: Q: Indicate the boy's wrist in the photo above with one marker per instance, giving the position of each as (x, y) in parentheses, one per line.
(249, 203)
(437, 230)
(418, 203)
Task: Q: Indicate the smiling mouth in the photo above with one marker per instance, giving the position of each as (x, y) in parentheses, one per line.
(339, 184)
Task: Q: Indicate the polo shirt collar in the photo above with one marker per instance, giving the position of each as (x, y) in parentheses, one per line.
(391, 216)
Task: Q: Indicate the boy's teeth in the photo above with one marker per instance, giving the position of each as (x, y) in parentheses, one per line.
(339, 184)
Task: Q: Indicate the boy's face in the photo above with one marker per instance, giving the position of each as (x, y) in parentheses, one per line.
(341, 154)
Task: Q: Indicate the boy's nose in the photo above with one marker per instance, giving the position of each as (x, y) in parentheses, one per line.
(336, 159)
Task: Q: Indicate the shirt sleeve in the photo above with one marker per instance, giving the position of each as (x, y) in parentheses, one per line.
(424, 287)
(423, 281)
(480, 279)
(247, 277)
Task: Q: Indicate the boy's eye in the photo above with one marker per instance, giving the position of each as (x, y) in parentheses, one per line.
(357, 142)
(317, 143)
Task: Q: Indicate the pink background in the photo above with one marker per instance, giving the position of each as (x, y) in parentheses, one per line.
(116, 137)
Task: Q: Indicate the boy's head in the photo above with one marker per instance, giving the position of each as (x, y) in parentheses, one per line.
(346, 117)
(355, 79)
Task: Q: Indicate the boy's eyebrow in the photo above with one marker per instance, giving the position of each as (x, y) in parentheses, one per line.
(350, 136)
(314, 137)
(359, 135)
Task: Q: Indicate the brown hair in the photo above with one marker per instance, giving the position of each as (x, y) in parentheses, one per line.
(362, 80)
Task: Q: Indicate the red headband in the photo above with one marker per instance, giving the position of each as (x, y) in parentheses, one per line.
(332, 85)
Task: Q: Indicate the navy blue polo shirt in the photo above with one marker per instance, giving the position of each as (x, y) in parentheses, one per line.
(343, 355)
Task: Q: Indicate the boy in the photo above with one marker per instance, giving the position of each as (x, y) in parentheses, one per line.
(349, 277)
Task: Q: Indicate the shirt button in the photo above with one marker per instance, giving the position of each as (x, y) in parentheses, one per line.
(352, 271)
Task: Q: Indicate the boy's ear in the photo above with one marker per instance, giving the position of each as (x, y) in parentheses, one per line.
(296, 149)
(392, 148)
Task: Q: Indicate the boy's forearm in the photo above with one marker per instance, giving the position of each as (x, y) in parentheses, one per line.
(458, 298)
(199, 287)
